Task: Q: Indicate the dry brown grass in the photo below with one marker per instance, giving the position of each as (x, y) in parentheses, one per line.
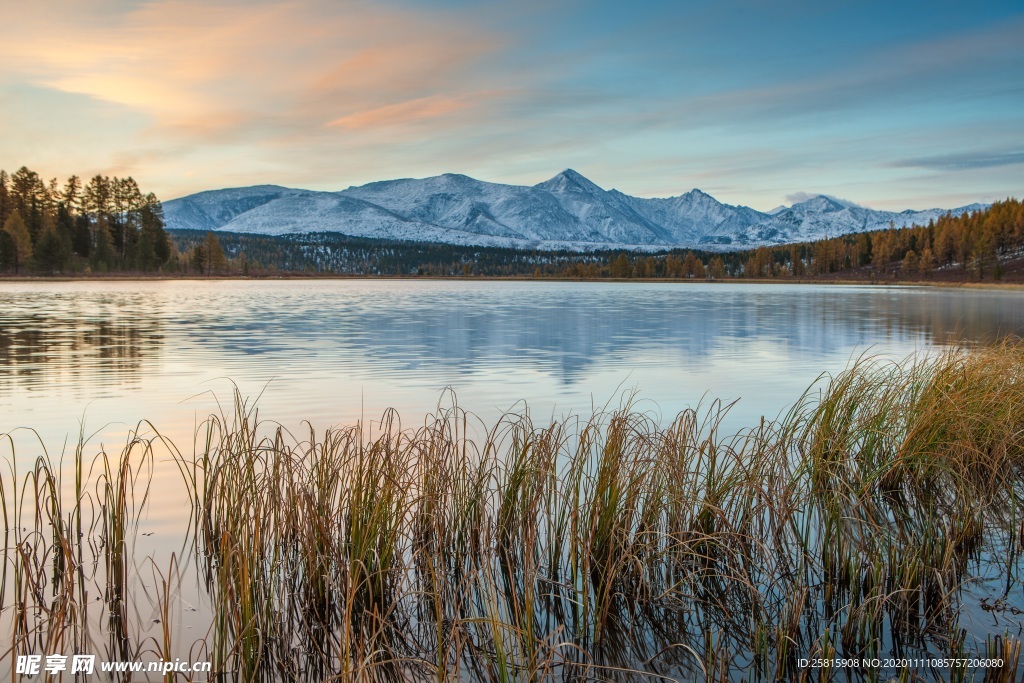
(610, 548)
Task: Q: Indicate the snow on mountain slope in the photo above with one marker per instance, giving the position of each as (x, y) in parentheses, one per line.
(212, 209)
(325, 211)
(821, 217)
(458, 202)
(604, 213)
(567, 211)
(695, 217)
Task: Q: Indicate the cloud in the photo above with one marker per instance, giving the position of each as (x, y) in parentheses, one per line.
(962, 161)
(798, 197)
(973, 64)
(274, 67)
(410, 112)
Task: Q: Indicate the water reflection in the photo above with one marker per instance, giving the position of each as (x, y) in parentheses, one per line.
(84, 334)
(337, 351)
(570, 333)
(47, 341)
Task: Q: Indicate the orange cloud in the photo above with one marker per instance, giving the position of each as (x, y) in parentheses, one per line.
(401, 113)
(201, 68)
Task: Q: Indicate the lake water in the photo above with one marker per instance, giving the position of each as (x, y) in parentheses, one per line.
(333, 351)
(101, 356)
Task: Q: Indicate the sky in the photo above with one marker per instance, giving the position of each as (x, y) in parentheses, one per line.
(757, 102)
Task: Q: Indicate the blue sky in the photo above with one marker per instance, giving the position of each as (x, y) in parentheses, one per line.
(892, 106)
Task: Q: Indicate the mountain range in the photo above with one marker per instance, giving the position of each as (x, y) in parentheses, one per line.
(566, 212)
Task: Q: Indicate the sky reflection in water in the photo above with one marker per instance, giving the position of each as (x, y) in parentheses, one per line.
(332, 351)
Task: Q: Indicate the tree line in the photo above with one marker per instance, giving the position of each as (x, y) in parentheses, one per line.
(106, 224)
(971, 246)
(109, 225)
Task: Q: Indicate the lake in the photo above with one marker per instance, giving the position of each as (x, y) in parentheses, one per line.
(102, 356)
(333, 351)
(99, 357)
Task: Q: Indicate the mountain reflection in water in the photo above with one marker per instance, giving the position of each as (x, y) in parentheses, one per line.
(331, 349)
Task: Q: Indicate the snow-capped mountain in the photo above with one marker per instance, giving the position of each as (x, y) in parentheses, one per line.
(567, 211)
(823, 216)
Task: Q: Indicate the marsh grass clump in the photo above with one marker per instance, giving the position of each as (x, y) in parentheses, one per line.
(614, 547)
(68, 558)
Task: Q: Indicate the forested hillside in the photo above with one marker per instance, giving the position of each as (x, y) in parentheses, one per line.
(982, 245)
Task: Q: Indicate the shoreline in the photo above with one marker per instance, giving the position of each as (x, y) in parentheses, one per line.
(136, 277)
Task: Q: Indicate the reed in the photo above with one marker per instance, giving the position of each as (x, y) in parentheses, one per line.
(64, 542)
(607, 548)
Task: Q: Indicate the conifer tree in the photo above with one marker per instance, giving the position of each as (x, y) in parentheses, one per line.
(20, 239)
(911, 263)
(621, 267)
(5, 197)
(213, 255)
(717, 268)
(50, 251)
(103, 257)
(81, 240)
(7, 251)
(927, 261)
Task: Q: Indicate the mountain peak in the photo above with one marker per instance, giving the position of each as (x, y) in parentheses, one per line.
(821, 203)
(457, 177)
(569, 180)
(696, 194)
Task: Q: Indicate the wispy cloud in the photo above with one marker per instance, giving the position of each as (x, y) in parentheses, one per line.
(207, 69)
(938, 71)
(417, 111)
(964, 161)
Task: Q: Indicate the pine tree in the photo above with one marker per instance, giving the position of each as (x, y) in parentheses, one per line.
(71, 196)
(151, 222)
(911, 263)
(8, 250)
(197, 260)
(21, 241)
(621, 267)
(717, 268)
(145, 253)
(213, 255)
(29, 198)
(103, 257)
(50, 252)
(81, 241)
(5, 197)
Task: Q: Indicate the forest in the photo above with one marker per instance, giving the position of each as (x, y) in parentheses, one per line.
(100, 226)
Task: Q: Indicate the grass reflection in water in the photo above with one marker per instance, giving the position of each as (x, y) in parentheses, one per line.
(605, 548)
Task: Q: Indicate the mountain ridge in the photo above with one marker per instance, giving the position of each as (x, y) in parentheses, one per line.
(567, 211)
